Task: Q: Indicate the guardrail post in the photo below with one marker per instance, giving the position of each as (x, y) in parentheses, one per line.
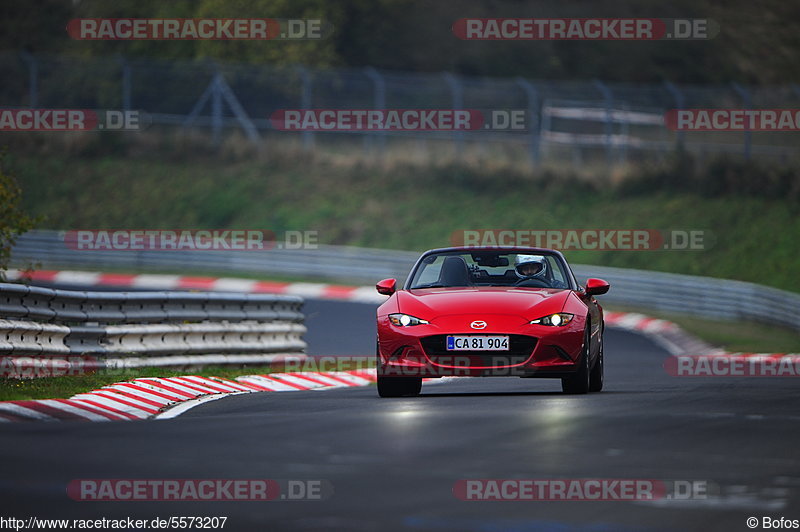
(33, 79)
(534, 124)
(608, 130)
(680, 101)
(458, 103)
(744, 94)
(378, 102)
(305, 103)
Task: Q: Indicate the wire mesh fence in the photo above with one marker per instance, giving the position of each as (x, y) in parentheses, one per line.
(580, 121)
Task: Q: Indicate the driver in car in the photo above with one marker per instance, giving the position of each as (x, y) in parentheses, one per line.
(534, 271)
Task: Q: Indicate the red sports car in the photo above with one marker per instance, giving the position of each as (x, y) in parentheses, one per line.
(490, 312)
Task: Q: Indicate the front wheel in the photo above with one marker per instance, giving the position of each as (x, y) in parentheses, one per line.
(596, 375)
(399, 386)
(578, 383)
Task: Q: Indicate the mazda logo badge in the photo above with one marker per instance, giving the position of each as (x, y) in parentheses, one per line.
(478, 324)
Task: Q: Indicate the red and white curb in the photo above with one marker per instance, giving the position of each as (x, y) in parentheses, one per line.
(637, 322)
(148, 397)
(691, 357)
(361, 294)
(666, 333)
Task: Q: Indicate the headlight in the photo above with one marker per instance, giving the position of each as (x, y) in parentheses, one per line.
(554, 320)
(404, 320)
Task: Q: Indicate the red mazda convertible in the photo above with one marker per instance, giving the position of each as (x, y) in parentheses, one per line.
(490, 312)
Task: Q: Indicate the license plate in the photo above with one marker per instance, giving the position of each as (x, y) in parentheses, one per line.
(477, 343)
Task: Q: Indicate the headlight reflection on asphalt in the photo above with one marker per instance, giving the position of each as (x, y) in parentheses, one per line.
(555, 419)
(405, 412)
(405, 415)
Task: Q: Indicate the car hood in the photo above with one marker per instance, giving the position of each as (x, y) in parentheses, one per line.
(531, 303)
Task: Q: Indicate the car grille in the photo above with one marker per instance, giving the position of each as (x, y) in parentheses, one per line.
(520, 349)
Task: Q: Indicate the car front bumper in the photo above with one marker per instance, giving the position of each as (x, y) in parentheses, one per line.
(534, 350)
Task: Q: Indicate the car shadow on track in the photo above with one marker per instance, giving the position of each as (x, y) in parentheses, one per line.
(511, 394)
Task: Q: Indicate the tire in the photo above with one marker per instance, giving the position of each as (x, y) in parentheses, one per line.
(399, 386)
(579, 382)
(596, 375)
(396, 386)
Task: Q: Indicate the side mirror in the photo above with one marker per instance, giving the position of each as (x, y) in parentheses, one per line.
(595, 287)
(386, 287)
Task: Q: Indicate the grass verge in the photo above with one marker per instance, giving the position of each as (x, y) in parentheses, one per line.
(751, 232)
(733, 336)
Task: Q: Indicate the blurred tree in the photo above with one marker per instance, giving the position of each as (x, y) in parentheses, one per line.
(309, 52)
(34, 25)
(13, 222)
(759, 43)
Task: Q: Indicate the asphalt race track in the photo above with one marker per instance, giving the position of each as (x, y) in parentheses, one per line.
(393, 462)
(339, 328)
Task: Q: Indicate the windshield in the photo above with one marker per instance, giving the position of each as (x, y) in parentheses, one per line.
(490, 268)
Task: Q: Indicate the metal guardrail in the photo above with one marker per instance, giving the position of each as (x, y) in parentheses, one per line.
(109, 327)
(707, 297)
(67, 306)
(685, 294)
(352, 264)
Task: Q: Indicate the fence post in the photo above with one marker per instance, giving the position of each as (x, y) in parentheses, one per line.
(458, 103)
(744, 94)
(33, 79)
(305, 103)
(216, 110)
(680, 101)
(534, 133)
(625, 130)
(217, 91)
(608, 129)
(545, 122)
(378, 102)
(126, 83)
